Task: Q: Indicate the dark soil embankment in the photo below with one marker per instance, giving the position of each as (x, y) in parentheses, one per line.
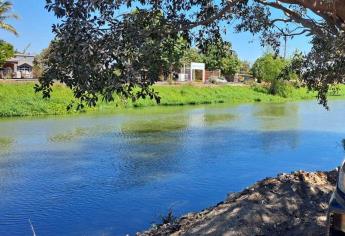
(290, 204)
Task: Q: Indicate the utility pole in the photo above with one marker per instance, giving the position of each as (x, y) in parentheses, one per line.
(26, 48)
(285, 45)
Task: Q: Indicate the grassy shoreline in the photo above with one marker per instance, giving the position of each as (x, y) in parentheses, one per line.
(19, 99)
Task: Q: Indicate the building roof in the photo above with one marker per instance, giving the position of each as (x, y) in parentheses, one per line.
(21, 59)
(25, 64)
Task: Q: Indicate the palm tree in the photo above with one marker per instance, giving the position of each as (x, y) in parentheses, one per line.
(5, 14)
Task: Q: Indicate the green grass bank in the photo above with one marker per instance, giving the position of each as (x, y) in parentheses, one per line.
(19, 99)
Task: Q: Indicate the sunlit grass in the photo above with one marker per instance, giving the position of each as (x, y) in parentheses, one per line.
(21, 100)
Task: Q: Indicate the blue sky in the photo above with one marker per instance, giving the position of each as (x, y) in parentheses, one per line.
(35, 23)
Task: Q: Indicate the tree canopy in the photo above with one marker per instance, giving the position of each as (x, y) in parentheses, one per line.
(230, 65)
(6, 52)
(96, 38)
(268, 67)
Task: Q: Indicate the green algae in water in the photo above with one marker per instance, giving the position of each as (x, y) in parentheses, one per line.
(218, 118)
(5, 142)
(69, 136)
(79, 133)
(154, 126)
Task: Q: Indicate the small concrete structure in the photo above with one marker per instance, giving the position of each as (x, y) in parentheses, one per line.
(197, 67)
(18, 67)
(189, 73)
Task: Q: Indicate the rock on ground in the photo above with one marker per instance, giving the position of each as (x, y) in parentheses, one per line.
(290, 204)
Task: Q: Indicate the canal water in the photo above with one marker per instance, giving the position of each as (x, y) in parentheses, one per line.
(120, 173)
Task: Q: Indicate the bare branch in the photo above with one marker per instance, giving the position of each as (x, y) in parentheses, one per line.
(295, 16)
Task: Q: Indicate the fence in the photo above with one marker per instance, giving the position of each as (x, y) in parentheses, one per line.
(212, 74)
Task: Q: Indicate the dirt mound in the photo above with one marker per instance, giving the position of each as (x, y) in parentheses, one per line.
(290, 204)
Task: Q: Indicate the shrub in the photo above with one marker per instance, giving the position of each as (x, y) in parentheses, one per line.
(260, 89)
(280, 88)
(268, 67)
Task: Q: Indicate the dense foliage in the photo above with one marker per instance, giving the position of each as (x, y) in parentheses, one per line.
(221, 58)
(268, 67)
(191, 55)
(230, 65)
(6, 49)
(277, 71)
(101, 49)
(6, 52)
(325, 65)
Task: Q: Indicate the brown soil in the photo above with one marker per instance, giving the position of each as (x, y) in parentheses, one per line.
(290, 204)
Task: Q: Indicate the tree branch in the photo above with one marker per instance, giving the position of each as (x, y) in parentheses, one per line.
(296, 17)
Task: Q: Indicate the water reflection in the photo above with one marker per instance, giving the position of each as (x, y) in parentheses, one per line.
(278, 117)
(149, 148)
(152, 147)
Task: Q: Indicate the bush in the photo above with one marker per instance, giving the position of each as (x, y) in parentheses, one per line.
(268, 67)
(260, 89)
(280, 88)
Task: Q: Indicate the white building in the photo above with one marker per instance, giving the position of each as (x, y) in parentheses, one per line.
(18, 67)
(193, 72)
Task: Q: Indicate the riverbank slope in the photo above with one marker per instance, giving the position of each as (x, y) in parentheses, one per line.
(19, 99)
(290, 204)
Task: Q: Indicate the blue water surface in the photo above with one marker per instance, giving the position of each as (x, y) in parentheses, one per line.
(118, 174)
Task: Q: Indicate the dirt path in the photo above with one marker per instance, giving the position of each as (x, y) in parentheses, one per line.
(290, 204)
(18, 81)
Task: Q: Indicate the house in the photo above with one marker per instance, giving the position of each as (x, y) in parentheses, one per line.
(18, 67)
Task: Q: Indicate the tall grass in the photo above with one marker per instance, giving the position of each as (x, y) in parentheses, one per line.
(19, 99)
